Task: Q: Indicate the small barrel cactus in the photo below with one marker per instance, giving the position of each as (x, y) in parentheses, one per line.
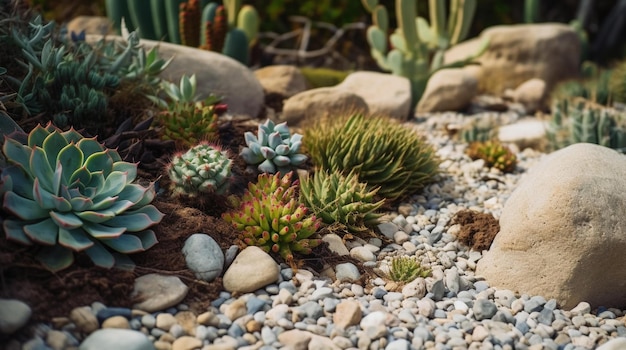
(273, 149)
(340, 199)
(202, 169)
(69, 194)
(494, 154)
(270, 217)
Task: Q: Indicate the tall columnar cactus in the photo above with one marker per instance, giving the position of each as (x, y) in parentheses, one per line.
(70, 194)
(215, 29)
(189, 23)
(586, 122)
(204, 168)
(273, 148)
(417, 47)
(269, 216)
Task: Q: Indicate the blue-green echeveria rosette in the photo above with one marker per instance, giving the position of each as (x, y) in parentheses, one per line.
(67, 193)
(273, 148)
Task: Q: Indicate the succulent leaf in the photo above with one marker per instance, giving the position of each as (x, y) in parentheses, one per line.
(202, 169)
(273, 149)
(269, 217)
(82, 201)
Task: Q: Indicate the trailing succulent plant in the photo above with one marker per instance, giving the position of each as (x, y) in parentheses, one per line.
(273, 148)
(342, 199)
(494, 154)
(67, 194)
(204, 168)
(73, 82)
(270, 217)
(579, 120)
(382, 153)
(406, 269)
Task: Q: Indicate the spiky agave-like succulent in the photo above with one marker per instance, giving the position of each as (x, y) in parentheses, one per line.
(338, 198)
(273, 149)
(271, 218)
(494, 154)
(68, 194)
(204, 168)
(406, 269)
(382, 152)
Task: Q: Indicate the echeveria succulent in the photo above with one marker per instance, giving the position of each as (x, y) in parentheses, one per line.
(68, 193)
(202, 169)
(273, 149)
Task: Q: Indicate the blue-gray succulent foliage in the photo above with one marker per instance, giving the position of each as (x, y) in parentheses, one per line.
(67, 193)
(273, 148)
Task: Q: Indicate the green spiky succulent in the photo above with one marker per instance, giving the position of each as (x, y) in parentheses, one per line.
(70, 194)
(202, 169)
(406, 269)
(273, 149)
(383, 153)
(494, 154)
(338, 198)
(580, 120)
(269, 216)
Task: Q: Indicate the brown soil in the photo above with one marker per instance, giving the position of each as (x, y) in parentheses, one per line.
(478, 230)
(55, 295)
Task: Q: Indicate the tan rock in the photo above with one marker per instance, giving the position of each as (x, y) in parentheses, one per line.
(187, 343)
(517, 53)
(235, 309)
(448, 90)
(84, 319)
(295, 339)
(116, 322)
(158, 292)
(281, 80)
(562, 230)
(384, 94)
(311, 105)
(208, 319)
(348, 313)
(165, 321)
(532, 95)
(187, 320)
(252, 269)
(90, 24)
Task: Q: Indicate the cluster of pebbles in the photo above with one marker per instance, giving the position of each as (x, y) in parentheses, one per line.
(451, 309)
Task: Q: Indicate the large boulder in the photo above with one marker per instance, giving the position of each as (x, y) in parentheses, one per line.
(215, 73)
(313, 104)
(384, 94)
(517, 53)
(279, 83)
(563, 230)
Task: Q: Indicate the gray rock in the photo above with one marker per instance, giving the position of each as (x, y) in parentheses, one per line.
(448, 90)
(14, 314)
(347, 272)
(203, 256)
(158, 292)
(107, 339)
(484, 309)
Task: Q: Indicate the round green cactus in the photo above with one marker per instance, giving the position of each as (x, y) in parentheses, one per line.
(342, 199)
(202, 169)
(273, 149)
(270, 217)
(69, 194)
